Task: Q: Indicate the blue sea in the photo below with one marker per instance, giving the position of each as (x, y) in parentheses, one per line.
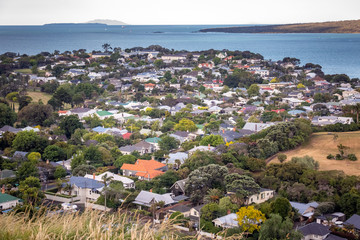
(337, 53)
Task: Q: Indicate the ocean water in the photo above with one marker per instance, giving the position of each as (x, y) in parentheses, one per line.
(337, 53)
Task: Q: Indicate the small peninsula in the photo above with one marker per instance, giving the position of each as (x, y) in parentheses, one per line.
(350, 26)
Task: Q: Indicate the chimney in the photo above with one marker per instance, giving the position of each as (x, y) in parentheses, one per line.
(47, 161)
(234, 129)
(3, 189)
(150, 190)
(94, 176)
(255, 127)
(228, 211)
(223, 131)
(152, 157)
(209, 146)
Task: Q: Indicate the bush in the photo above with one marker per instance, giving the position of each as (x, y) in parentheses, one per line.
(352, 157)
(338, 157)
(282, 157)
(330, 156)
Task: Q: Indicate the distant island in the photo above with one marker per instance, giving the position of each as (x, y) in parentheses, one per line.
(107, 22)
(350, 26)
(74, 24)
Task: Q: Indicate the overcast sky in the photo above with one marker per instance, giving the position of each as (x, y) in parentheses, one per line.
(35, 12)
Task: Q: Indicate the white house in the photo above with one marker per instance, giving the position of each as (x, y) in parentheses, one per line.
(127, 182)
(262, 196)
(227, 221)
(86, 189)
(7, 201)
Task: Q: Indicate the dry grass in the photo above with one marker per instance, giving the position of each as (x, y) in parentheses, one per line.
(36, 96)
(88, 225)
(322, 144)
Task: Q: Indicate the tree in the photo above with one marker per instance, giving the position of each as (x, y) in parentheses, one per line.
(131, 159)
(93, 155)
(34, 157)
(69, 124)
(29, 141)
(168, 143)
(204, 178)
(82, 170)
(277, 228)
(106, 47)
(35, 114)
(105, 179)
(30, 191)
(7, 116)
(77, 160)
(213, 195)
(281, 157)
(226, 205)
(306, 161)
(210, 211)
(342, 149)
(242, 185)
(27, 169)
(60, 172)
(54, 153)
(253, 90)
(186, 125)
(250, 219)
(282, 207)
(213, 140)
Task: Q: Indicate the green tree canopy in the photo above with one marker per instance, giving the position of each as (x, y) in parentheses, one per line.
(7, 116)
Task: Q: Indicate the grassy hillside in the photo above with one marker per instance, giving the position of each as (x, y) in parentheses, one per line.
(36, 96)
(322, 144)
(351, 26)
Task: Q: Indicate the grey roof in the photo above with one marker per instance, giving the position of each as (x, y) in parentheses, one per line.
(179, 155)
(181, 134)
(228, 220)
(83, 182)
(314, 228)
(302, 207)
(8, 128)
(181, 208)
(354, 220)
(7, 174)
(180, 198)
(146, 198)
(20, 154)
(80, 110)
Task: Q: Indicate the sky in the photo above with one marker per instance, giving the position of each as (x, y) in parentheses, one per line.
(168, 12)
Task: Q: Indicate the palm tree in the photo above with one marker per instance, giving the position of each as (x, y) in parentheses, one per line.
(106, 47)
(69, 187)
(105, 180)
(356, 109)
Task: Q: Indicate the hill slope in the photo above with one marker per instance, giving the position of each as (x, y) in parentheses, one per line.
(322, 144)
(350, 26)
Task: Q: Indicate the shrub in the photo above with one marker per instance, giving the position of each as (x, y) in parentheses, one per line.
(282, 157)
(338, 157)
(352, 157)
(330, 156)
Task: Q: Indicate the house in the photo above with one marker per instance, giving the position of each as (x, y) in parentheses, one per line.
(292, 102)
(178, 188)
(201, 148)
(8, 128)
(329, 219)
(305, 210)
(7, 174)
(183, 208)
(227, 221)
(262, 196)
(85, 189)
(315, 231)
(326, 120)
(144, 169)
(82, 112)
(354, 220)
(146, 199)
(182, 136)
(257, 127)
(179, 155)
(142, 147)
(7, 201)
(127, 182)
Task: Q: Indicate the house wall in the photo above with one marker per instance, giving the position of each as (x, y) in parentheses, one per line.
(10, 204)
(260, 198)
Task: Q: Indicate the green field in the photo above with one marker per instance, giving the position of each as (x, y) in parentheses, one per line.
(322, 144)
